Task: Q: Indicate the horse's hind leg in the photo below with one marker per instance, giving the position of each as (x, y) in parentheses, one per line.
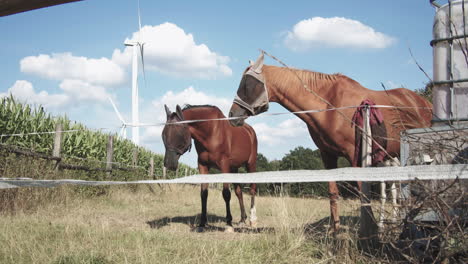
(238, 190)
(203, 195)
(253, 210)
(393, 191)
(204, 198)
(383, 199)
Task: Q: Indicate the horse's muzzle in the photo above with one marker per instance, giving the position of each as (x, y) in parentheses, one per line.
(171, 160)
(237, 111)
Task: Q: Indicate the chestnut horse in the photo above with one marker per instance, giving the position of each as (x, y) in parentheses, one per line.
(331, 131)
(219, 145)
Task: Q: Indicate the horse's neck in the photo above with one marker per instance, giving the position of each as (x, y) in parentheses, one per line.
(292, 94)
(200, 131)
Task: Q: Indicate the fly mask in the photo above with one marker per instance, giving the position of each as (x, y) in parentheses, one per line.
(251, 97)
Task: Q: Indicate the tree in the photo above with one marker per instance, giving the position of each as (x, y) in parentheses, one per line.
(262, 163)
(426, 92)
(302, 158)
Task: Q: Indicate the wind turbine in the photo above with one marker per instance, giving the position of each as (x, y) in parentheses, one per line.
(123, 129)
(135, 104)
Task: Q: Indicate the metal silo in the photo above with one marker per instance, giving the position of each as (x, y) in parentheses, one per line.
(450, 62)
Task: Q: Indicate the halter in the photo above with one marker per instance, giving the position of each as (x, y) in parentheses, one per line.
(260, 104)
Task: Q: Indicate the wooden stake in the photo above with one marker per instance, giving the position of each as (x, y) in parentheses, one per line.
(151, 169)
(57, 143)
(368, 227)
(110, 154)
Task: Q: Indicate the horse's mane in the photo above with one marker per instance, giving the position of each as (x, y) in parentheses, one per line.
(206, 111)
(189, 106)
(285, 76)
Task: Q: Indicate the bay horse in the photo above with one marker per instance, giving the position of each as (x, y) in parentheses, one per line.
(332, 131)
(219, 145)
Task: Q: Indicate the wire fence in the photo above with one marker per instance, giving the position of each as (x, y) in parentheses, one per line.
(213, 119)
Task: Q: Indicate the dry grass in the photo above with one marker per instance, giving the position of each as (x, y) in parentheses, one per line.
(135, 225)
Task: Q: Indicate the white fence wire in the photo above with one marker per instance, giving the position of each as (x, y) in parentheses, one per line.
(374, 174)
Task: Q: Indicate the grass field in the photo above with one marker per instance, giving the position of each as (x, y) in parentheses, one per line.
(137, 225)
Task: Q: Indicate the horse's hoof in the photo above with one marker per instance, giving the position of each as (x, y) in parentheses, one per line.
(200, 229)
(241, 224)
(253, 224)
(229, 229)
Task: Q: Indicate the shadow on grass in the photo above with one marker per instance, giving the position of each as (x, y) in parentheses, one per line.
(322, 226)
(192, 222)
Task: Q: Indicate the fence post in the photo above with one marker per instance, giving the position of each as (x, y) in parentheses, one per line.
(57, 143)
(110, 154)
(135, 157)
(164, 172)
(368, 227)
(151, 169)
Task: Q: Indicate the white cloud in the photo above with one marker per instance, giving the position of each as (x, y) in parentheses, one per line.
(83, 91)
(334, 32)
(74, 92)
(168, 49)
(24, 91)
(274, 135)
(190, 96)
(60, 66)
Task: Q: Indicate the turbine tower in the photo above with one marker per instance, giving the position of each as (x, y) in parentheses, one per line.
(136, 45)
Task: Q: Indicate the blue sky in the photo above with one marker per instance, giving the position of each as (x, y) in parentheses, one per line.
(71, 57)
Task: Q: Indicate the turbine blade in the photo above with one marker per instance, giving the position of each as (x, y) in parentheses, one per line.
(116, 111)
(142, 45)
(121, 131)
(139, 22)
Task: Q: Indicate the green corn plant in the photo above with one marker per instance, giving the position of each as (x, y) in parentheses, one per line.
(16, 117)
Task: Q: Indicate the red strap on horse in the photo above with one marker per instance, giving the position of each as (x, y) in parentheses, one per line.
(376, 118)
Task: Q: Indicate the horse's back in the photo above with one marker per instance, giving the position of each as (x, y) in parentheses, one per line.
(412, 109)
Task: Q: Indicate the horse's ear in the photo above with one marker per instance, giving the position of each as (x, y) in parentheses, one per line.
(251, 63)
(179, 112)
(168, 112)
(257, 66)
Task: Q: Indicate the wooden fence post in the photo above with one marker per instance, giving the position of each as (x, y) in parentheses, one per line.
(151, 169)
(164, 172)
(368, 226)
(110, 154)
(57, 143)
(135, 157)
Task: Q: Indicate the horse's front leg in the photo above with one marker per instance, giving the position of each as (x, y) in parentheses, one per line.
(253, 210)
(252, 167)
(227, 200)
(331, 162)
(227, 193)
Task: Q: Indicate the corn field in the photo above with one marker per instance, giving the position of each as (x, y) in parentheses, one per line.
(84, 144)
